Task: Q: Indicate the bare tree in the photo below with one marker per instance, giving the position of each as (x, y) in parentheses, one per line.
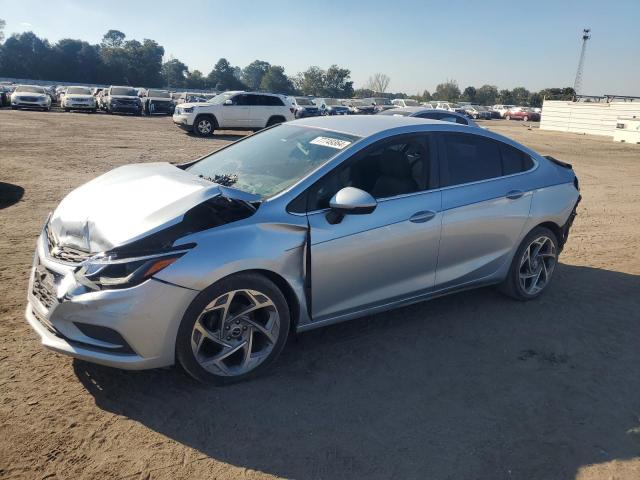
(378, 82)
(2, 24)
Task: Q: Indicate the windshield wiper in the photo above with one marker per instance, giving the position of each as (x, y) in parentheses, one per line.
(225, 179)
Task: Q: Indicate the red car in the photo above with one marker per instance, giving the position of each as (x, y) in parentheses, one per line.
(522, 113)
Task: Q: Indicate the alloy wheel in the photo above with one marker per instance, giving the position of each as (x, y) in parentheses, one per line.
(235, 333)
(537, 265)
(204, 126)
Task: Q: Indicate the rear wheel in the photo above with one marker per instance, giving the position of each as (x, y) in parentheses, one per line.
(233, 330)
(507, 117)
(204, 126)
(274, 121)
(525, 119)
(533, 265)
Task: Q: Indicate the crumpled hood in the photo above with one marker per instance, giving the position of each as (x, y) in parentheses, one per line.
(129, 203)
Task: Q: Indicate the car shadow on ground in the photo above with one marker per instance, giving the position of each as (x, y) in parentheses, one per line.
(473, 385)
(10, 194)
(230, 137)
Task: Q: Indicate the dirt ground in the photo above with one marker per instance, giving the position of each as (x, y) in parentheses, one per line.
(471, 386)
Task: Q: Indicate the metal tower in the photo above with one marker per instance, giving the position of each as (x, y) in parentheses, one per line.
(577, 84)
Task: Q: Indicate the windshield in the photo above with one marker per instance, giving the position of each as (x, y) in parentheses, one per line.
(331, 101)
(382, 101)
(218, 99)
(158, 93)
(125, 91)
(270, 162)
(303, 101)
(25, 88)
(411, 103)
(78, 91)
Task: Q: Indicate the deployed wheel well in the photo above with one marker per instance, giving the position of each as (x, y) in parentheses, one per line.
(287, 291)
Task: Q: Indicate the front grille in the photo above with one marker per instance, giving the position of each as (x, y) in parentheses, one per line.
(44, 282)
(65, 253)
(44, 322)
(29, 99)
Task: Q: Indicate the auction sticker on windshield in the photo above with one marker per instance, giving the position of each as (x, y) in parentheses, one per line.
(330, 142)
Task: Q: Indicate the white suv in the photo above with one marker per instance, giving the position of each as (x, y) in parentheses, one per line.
(233, 110)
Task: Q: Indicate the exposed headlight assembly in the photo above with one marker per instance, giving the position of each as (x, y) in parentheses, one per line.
(110, 272)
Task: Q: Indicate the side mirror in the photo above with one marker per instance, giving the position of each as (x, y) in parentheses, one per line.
(228, 102)
(350, 201)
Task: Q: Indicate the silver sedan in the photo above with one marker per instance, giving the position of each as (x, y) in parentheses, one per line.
(213, 263)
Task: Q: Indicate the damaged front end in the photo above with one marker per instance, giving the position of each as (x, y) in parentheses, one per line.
(134, 262)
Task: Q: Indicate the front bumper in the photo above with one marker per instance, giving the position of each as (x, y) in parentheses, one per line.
(125, 108)
(80, 106)
(183, 121)
(155, 107)
(145, 317)
(25, 104)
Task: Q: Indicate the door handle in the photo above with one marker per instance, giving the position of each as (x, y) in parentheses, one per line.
(514, 194)
(421, 217)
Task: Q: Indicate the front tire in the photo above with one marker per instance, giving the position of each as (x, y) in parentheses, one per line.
(533, 265)
(233, 330)
(204, 126)
(525, 119)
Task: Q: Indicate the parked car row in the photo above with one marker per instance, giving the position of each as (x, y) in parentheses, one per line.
(140, 101)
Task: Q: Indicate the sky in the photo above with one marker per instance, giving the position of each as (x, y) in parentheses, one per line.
(417, 43)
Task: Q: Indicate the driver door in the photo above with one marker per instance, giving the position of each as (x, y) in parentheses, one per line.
(390, 254)
(238, 113)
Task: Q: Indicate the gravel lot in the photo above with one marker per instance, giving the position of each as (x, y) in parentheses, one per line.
(469, 386)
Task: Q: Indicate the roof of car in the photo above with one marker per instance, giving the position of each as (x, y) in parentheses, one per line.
(362, 125)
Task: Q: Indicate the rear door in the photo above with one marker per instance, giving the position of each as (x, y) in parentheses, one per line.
(265, 107)
(390, 254)
(486, 203)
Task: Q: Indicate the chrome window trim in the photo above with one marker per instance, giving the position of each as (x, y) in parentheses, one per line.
(439, 189)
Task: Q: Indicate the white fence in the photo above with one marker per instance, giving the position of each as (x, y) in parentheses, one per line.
(584, 117)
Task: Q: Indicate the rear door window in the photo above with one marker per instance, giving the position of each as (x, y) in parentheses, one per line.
(469, 158)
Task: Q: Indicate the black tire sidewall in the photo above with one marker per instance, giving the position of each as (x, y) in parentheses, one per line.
(184, 354)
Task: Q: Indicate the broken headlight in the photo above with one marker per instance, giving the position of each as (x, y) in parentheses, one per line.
(111, 272)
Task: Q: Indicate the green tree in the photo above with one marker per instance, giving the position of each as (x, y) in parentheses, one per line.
(113, 39)
(505, 97)
(310, 82)
(174, 73)
(252, 74)
(223, 77)
(448, 90)
(336, 82)
(195, 80)
(425, 97)
(535, 100)
(469, 95)
(520, 96)
(25, 55)
(487, 94)
(275, 81)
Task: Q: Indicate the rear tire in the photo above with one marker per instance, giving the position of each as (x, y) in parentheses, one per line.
(525, 119)
(219, 344)
(532, 266)
(507, 117)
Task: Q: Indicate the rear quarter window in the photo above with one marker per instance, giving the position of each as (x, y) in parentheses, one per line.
(514, 160)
